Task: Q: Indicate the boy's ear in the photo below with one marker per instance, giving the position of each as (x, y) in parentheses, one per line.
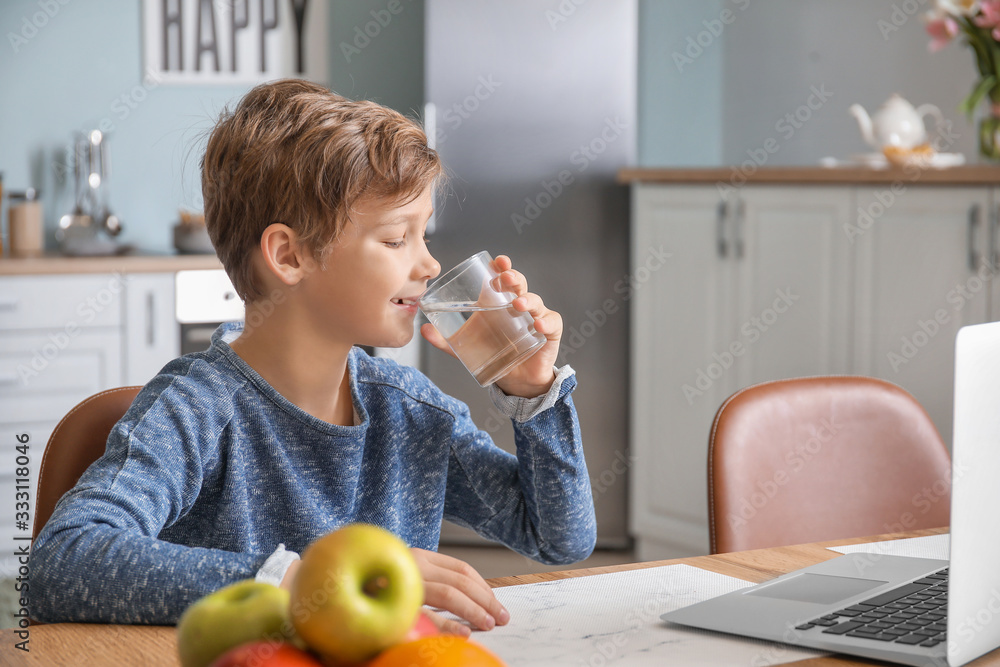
(283, 253)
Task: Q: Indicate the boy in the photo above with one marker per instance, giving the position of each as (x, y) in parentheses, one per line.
(231, 461)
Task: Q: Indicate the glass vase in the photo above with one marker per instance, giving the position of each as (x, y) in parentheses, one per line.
(989, 126)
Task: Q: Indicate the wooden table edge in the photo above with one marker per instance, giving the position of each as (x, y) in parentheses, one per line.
(755, 566)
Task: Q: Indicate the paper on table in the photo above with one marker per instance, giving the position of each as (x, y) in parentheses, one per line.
(930, 546)
(612, 619)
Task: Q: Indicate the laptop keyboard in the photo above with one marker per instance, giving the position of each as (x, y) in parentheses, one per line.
(913, 614)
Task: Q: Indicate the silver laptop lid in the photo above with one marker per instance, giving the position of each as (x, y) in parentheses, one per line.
(974, 590)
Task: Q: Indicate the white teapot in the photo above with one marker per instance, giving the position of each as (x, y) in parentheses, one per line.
(896, 123)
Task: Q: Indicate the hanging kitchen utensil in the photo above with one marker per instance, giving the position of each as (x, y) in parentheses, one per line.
(86, 229)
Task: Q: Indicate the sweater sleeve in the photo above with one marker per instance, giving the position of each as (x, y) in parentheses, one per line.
(98, 559)
(539, 502)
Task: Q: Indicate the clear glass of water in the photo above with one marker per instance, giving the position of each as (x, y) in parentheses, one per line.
(477, 319)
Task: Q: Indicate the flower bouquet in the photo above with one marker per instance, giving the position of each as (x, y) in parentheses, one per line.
(978, 21)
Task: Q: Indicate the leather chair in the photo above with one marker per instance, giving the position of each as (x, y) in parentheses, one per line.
(823, 458)
(78, 440)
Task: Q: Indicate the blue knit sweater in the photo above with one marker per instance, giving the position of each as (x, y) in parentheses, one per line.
(211, 469)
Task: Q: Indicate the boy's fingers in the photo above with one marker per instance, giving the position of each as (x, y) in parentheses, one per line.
(450, 598)
(458, 566)
(501, 263)
(530, 302)
(551, 324)
(513, 281)
(459, 588)
(447, 625)
(434, 337)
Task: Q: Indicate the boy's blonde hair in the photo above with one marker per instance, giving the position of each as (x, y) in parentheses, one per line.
(293, 152)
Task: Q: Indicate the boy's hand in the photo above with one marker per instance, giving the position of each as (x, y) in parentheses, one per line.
(449, 584)
(454, 586)
(534, 376)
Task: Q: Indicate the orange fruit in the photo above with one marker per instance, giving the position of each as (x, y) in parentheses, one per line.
(437, 651)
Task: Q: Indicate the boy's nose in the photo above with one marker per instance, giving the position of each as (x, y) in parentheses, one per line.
(430, 266)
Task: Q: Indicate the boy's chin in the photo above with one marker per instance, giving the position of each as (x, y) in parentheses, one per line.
(393, 343)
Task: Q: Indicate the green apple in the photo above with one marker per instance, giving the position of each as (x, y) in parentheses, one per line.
(357, 591)
(239, 613)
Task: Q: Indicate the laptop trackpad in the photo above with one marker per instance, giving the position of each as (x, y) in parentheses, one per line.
(817, 588)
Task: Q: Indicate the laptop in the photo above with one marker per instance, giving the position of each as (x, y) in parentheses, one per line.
(905, 610)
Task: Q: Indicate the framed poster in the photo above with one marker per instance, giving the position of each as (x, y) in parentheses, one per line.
(234, 41)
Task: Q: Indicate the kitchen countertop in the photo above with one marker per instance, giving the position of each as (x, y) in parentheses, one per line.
(130, 263)
(737, 175)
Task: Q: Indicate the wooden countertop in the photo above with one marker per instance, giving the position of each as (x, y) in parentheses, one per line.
(974, 174)
(156, 646)
(137, 263)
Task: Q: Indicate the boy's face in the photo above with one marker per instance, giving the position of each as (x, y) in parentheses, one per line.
(367, 294)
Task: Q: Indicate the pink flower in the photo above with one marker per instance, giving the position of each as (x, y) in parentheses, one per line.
(942, 28)
(989, 16)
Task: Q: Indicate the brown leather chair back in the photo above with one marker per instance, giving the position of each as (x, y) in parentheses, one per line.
(824, 458)
(78, 440)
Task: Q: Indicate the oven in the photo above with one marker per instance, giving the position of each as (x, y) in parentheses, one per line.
(203, 301)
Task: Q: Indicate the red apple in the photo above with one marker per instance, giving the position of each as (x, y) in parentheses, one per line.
(424, 627)
(263, 653)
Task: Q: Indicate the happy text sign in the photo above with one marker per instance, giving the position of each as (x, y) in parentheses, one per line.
(234, 41)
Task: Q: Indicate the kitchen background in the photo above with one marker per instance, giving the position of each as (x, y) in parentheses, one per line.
(74, 72)
(713, 80)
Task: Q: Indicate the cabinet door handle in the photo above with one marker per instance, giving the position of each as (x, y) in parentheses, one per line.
(721, 213)
(973, 227)
(994, 255)
(7, 379)
(738, 227)
(150, 319)
(9, 303)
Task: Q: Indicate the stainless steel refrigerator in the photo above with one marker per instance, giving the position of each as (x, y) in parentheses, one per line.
(532, 106)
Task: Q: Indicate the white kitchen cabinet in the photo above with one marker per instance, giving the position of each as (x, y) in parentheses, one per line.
(679, 320)
(778, 281)
(793, 282)
(152, 337)
(60, 341)
(756, 287)
(919, 263)
(42, 376)
(64, 337)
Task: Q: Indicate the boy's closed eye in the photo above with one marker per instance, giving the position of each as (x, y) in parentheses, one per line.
(399, 243)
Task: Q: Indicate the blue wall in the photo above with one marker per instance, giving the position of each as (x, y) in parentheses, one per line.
(72, 74)
(680, 102)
